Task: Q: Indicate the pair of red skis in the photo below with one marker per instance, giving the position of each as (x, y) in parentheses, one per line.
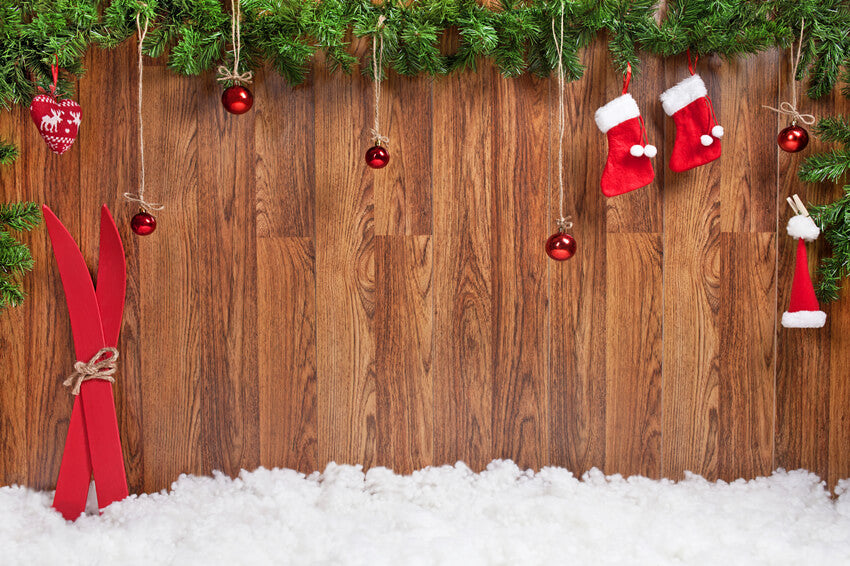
(93, 445)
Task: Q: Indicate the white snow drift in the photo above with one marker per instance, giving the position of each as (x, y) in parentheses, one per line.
(446, 515)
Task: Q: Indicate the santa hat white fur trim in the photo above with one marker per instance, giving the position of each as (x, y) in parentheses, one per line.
(803, 319)
(616, 112)
(677, 97)
(801, 226)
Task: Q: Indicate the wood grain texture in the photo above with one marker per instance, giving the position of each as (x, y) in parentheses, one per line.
(519, 227)
(463, 285)
(286, 350)
(345, 270)
(172, 314)
(227, 259)
(746, 411)
(577, 295)
(692, 281)
(295, 307)
(633, 363)
(404, 324)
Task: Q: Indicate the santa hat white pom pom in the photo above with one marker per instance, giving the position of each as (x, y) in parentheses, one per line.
(706, 140)
(636, 150)
(650, 150)
(800, 226)
(717, 131)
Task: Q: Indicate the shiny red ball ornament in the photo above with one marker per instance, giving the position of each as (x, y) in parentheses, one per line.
(377, 157)
(237, 99)
(792, 139)
(143, 223)
(560, 246)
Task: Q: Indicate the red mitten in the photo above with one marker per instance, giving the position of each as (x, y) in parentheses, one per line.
(628, 166)
(697, 132)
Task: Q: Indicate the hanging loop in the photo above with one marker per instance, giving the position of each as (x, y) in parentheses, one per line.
(627, 78)
(54, 70)
(692, 64)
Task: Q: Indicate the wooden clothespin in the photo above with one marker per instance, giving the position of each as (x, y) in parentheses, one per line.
(797, 205)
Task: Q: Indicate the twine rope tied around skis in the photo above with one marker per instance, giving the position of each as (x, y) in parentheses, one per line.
(95, 368)
(564, 222)
(140, 196)
(790, 108)
(377, 66)
(226, 74)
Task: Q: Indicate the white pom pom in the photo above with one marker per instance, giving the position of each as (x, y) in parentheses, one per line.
(801, 226)
(636, 150)
(650, 150)
(706, 140)
(717, 131)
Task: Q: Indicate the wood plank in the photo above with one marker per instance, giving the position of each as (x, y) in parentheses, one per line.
(577, 286)
(284, 151)
(748, 163)
(227, 259)
(747, 329)
(633, 364)
(172, 303)
(404, 330)
(463, 288)
(692, 282)
(345, 270)
(520, 266)
(108, 122)
(403, 189)
(54, 180)
(286, 327)
(14, 323)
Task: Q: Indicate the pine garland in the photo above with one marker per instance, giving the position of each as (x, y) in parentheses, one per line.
(833, 218)
(15, 257)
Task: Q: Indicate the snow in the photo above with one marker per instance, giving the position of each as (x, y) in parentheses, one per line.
(442, 515)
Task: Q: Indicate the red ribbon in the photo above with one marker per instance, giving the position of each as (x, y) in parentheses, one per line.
(54, 68)
(627, 78)
(692, 65)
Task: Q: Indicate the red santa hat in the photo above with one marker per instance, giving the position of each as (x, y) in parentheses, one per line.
(804, 310)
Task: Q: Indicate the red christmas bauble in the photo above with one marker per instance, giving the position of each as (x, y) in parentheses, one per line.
(237, 99)
(377, 157)
(560, 246)
(143, 223)
(792, 139)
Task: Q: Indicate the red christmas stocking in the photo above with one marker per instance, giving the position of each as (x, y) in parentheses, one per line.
(697, 132)
(628, 166)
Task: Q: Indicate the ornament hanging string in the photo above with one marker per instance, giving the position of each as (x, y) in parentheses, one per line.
(627, 78)
(692, 65)
(790, 108)
(54, 70)
(140, 197)
(377, 69)
(95, 368)
(564, 222)
(226, 74)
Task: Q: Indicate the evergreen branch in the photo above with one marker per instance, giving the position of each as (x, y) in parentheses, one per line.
(834, 129)
(828, 166)
(8, 153)
(15, 257)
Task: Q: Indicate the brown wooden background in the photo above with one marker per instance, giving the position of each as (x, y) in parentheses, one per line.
(295, 307)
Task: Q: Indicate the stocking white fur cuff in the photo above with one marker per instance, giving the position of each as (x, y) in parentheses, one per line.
(803, 319)
(800, 226)
(677, 97)
(616, 112)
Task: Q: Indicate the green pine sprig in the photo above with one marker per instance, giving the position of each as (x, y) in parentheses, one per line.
(15, 257)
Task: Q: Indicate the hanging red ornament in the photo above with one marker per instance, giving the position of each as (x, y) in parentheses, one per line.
(237, 99)
(560, 246)
(792, 139)
(58, 121)
(377, 157)
(143, 223)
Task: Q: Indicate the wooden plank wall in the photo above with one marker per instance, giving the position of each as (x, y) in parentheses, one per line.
(295, 307)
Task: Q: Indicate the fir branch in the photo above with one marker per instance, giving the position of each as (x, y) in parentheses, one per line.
(15, 257)
(8, 152)
(828, 166)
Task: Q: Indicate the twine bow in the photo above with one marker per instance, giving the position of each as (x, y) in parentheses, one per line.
(234, 75)
(790, 108)
(95, 368)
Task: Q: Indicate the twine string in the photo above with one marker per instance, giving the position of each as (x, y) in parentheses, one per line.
(377, 67)
(140, 196)
(564, 222)
(97, 367)
(224, 73)
(790, 108)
